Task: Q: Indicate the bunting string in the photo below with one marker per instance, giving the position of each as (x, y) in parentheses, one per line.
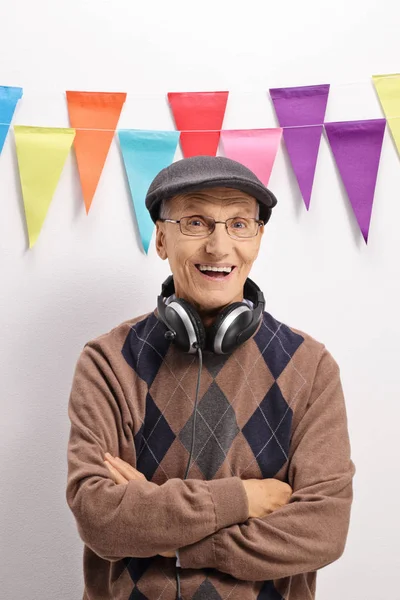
(135, 94)
(211, 130)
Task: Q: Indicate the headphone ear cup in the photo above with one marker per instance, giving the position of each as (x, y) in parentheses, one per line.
(191, 322)
(223, 333)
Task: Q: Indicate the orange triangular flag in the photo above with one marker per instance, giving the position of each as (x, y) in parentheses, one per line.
(95, 117)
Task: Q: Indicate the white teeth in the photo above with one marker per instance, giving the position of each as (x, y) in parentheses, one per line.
(211, 268)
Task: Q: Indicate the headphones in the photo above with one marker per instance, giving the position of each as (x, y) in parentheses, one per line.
(234, 325)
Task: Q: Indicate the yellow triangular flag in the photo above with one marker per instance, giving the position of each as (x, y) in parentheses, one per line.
(41, 153)
(388, 90)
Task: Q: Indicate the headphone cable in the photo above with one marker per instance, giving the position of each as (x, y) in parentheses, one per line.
(199, 352)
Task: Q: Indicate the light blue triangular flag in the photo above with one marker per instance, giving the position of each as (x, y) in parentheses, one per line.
(9, 97)
(145, 153)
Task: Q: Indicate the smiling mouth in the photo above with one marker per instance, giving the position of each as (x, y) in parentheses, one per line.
(215, 272)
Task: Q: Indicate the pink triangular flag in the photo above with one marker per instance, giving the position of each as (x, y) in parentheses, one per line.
(254, 148)
(301, 112)
(356, 146)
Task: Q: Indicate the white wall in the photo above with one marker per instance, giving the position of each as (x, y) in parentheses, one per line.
(87, 274)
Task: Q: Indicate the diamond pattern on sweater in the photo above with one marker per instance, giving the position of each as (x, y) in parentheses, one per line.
(174, 387)
(216, 428)
(206, 592)
(214, 362)
(145, 348)
(159, 580)
(244, 412)
(153, 439)
(268, 432)
(268, 592)
(267, 429)
(137, 595)
(277, 343)
(137, 567)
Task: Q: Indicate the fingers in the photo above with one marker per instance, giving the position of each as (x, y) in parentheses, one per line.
(116, 475)
(168, 554)
(129, 472)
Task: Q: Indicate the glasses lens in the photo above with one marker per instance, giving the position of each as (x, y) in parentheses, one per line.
(240, 227)
(196, 225)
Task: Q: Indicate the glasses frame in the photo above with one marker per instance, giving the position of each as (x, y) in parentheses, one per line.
(260, 223)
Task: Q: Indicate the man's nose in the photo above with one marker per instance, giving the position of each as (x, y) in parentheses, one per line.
(218, 242)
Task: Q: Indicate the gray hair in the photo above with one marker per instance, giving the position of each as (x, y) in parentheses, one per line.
(165, 209)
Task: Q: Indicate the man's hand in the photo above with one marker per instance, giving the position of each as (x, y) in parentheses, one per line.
(266, 495)
(122, 472)
(168, 554)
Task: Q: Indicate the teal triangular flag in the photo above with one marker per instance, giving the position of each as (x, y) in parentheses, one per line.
(9, 97)
(145, 153)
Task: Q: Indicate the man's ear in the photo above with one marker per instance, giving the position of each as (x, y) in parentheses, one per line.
(259, 240)
(160, 240)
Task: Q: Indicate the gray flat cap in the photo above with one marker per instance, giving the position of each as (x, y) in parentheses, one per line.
(201, 172)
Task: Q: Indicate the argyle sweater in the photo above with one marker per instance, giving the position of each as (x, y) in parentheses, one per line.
(273, 408)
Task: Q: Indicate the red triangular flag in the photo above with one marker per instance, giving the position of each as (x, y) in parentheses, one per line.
(199, 116)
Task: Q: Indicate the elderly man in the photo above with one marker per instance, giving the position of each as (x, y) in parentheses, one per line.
(209, 454)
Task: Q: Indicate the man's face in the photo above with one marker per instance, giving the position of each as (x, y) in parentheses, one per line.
(186, 254)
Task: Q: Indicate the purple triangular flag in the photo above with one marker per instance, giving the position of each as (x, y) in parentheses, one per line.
(356, 146)
(296, 106)
(301, 112)
(302, 144)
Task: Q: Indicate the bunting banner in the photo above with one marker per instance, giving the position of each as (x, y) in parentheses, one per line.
(388, 89)
(9, 97)
(41, 156)
(199, 117)
(301, 112)
(95, 117)
(356, 146)
(145, 153)
(254, 148)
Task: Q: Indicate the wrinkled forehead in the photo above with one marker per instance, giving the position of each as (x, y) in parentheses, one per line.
(219, 196)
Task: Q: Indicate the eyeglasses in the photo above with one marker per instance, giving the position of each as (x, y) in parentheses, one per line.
(200, 226)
